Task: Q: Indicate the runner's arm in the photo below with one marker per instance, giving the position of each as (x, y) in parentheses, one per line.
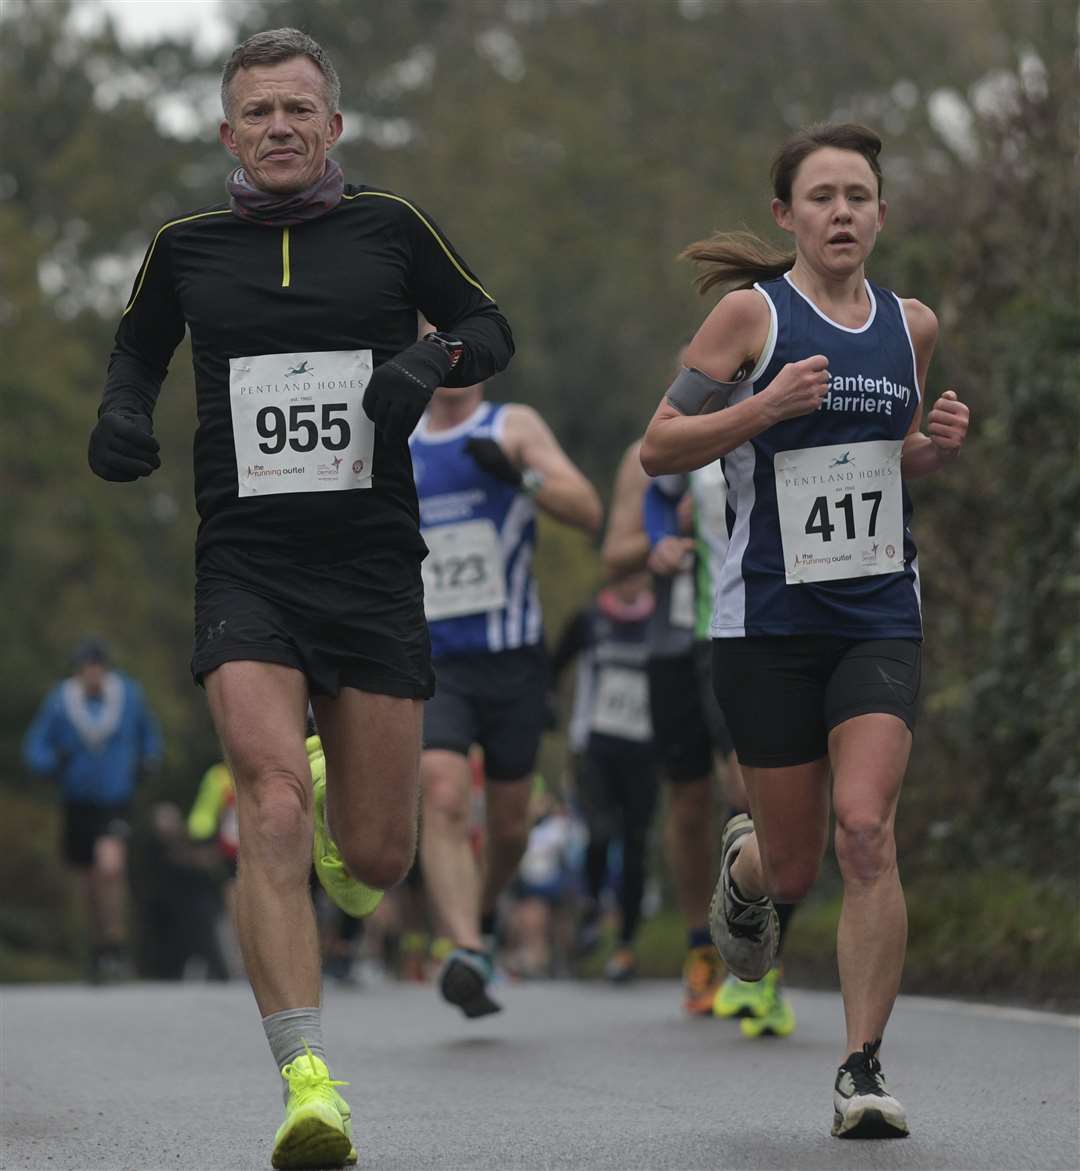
(564, 491)
(40, 748)
(729, 340)
(948, 419)
(454, 301)
(151, 328)
(626, 544)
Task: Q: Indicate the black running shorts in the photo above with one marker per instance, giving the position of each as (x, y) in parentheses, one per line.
(495, 699)
(85, 823)
(688, 725)
(783, 695)
(358, 624)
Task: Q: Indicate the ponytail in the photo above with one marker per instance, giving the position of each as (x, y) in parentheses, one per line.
(736, 260)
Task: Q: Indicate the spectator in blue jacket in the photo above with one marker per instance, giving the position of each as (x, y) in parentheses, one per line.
(95, 734)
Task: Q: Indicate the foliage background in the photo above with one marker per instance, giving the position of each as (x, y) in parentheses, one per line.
(571, 148)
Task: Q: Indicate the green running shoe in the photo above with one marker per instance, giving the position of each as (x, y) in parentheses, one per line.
(317, 1131)
(740, 998)
(351, 895)
(778, 1017)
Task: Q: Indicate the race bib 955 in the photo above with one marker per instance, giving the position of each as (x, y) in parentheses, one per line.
(299, 423)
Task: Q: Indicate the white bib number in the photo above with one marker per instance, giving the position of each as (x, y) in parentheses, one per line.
(299, 423)
(681, 612)
(463, 571)
(621, 706)
(841, 511)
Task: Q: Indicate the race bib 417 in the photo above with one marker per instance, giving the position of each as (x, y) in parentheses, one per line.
(841, 510)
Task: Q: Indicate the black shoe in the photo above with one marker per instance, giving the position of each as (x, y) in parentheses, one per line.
(862, 1106)
(464, 982)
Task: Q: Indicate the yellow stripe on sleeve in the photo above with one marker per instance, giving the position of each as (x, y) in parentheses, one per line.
(449, 255)
(150, 254)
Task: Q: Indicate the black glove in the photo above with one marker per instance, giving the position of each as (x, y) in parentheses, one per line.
(123, 447)
(491, 457)
(401, 388)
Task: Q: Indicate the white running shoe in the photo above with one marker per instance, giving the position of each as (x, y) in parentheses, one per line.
(862, 1105)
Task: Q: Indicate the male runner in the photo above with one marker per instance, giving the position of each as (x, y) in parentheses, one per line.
(482, 470)
(301, 294)
(96, 735)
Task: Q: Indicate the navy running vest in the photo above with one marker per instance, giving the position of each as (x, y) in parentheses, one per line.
(479, 591)
(846, 512)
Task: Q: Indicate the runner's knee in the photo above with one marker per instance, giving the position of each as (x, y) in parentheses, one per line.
(447, 800)
(277, 813)
(865, 847)
(109, 857)
(383, 865)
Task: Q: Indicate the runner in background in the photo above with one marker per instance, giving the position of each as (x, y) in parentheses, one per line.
(699, 502)
(482, 470)
(96, 736)
(682, 742)
(616, 765)
(539, 916)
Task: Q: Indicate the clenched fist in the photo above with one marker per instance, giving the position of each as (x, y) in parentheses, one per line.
(670, 555)
(798, 389)
(947, 423)
(122, 447)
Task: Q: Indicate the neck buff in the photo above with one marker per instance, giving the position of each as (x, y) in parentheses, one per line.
(249, 202)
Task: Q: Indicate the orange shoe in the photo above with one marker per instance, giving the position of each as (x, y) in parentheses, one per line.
(703, 972)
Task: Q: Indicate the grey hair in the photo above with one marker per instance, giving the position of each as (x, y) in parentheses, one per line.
(269, 48)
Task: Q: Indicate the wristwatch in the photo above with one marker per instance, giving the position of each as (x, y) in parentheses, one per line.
(453, 347)
(531, 481)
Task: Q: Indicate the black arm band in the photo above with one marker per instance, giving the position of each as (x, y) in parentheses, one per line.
(694, 393)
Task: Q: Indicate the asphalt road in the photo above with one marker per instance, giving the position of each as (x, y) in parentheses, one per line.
(141, 1077)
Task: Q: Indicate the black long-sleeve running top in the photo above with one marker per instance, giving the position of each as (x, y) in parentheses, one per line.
(349, 281)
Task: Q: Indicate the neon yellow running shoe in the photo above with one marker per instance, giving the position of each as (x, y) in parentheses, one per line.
(740, 998)
(351, 895)
(317, 1131)
(778, 1020)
